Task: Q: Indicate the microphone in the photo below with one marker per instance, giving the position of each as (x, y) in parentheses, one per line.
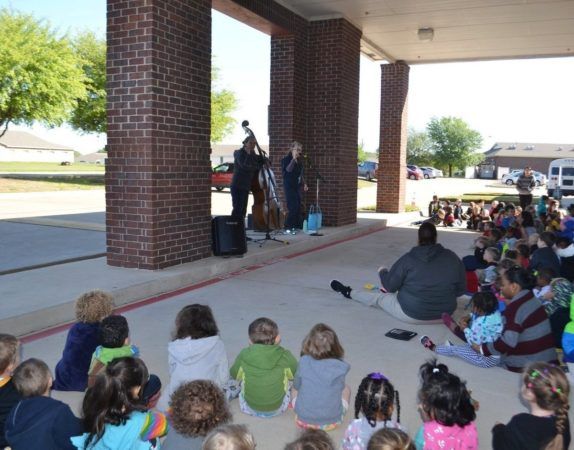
(245, 123)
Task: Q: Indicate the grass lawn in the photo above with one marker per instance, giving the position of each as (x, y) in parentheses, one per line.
(488, 197)
(9, 185)
(49, 167)
(364, 183)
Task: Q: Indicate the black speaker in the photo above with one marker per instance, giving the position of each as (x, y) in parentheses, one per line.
(228, 236)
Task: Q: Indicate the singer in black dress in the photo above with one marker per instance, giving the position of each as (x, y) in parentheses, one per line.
(293, 182)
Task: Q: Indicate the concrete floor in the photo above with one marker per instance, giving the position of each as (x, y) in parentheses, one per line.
(295, 292)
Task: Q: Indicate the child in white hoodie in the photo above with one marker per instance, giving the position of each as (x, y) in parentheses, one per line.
(196, 353)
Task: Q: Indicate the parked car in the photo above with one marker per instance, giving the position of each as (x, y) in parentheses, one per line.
(368, 170)
(414, 172)
(511, 178)
(221, 176)
(431, 172)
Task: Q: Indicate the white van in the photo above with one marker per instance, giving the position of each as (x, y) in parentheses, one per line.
(561, 177)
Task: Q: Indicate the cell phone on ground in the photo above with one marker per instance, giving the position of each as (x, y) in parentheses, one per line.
(401, 335)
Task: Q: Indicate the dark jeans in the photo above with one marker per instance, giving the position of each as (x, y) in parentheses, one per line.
(525, 200)
(293, 198)
(239, 198)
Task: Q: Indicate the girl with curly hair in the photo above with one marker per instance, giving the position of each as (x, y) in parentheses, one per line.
(374, 406)
(546, 390)
(196, 408)
(71, 372)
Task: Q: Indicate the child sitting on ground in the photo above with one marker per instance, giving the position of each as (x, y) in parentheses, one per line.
(115, 343)
(544, 256)
(265, 370)
(565, 251)
(545, 389)
(114, 411)
(312, 439)
(319, 395)
(230, 437)
(488, 275)
(391, 439)
(523, 254)
(485, 325)
(38, 421)
(446, 409)
(543, 288)
(196, 353)
(556, 303)
(83, 337)
(9, 395)
(374, 406)
(196, 408)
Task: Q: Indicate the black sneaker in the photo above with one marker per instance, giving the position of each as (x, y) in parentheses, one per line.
(337, 286)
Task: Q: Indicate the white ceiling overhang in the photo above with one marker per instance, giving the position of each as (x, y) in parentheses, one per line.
(462, 30)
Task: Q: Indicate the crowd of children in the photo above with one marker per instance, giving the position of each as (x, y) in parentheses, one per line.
(119, 408)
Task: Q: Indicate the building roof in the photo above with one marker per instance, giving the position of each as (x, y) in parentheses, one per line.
(22, 139)
(530, 150)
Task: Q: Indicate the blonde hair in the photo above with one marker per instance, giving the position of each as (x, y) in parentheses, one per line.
(322, 343)
(93, 306)
(8, 351)
(551, 390)
(229, 437)
(390, 439)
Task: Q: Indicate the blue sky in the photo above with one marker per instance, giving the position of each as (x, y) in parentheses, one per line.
(517, 101)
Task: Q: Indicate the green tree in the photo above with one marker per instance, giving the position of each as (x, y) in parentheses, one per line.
(454, 143)
(419, 150)
(40, 78)
(223, 103)
(362, 155)
(89, 115)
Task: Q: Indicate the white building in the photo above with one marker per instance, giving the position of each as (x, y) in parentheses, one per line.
(20, 146)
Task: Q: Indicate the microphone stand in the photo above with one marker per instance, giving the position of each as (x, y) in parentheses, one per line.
(318, 179)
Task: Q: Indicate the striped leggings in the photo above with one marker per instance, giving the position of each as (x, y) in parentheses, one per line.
(468, 354)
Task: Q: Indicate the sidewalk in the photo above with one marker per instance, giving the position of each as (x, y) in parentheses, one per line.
(295, 292)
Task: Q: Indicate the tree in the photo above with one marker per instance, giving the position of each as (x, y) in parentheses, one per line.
(454, 143)
(223, 103)
(89, 115)
(419, 148)
(362, 155)
(40, 79)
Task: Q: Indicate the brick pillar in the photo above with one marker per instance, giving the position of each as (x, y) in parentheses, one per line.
(158, 198)
(333, 115)
(393, 138)
(288, 102)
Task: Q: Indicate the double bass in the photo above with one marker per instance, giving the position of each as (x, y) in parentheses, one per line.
(266, 210)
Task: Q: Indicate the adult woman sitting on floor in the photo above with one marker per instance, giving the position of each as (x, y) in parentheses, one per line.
(420, 286)
(527, 336)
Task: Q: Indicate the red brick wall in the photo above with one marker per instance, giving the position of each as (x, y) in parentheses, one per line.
(158, 197)
(393, 138)
(333, 114)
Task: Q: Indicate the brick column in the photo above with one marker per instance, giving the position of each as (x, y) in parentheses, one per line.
(288, 102)
(333, 114)
(393, 138)
(158, 198)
